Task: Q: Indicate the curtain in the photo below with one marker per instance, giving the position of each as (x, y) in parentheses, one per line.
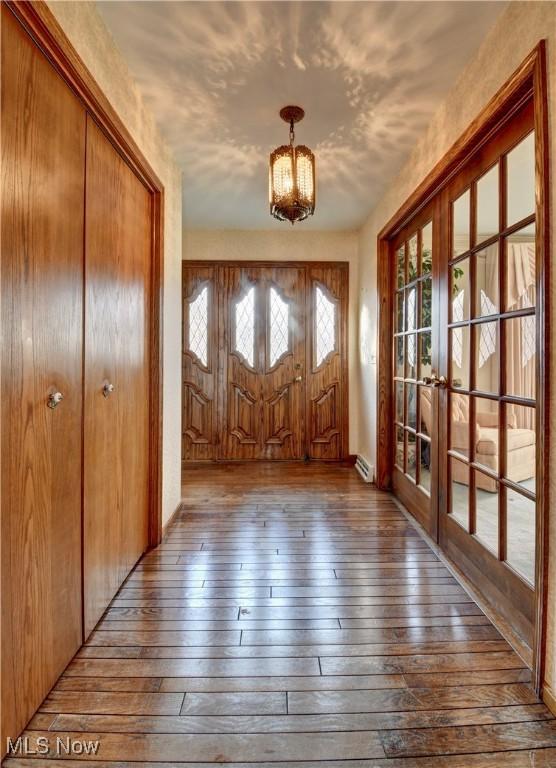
(521, 333)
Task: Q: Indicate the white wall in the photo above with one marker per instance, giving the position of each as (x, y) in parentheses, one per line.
(90, 37)
(514, 35)
(290, 245)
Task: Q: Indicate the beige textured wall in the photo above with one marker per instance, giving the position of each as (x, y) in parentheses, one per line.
(292, 244)
(514, 35)
(90, 37)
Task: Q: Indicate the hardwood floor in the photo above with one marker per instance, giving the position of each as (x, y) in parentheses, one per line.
(293, 616)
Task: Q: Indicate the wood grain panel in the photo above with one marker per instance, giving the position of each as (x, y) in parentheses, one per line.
(261, 405)
(199, 380)
(116, 448)
(326, 392)
(263, 408)
(240, 384)
(43, 167)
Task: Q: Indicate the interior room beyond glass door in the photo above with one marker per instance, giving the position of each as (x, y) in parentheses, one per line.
(415, 367)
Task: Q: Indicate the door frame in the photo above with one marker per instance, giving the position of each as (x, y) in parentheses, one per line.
(342, 340)
(528, 81)
(41, 24)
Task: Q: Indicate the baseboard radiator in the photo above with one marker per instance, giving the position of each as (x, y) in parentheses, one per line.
(366, 470)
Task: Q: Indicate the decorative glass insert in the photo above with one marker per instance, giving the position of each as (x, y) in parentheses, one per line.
(410, 309)
(245, 327)
(279, 326)
(198, 326)
(487, 343)
(325, 325)
(457, 335)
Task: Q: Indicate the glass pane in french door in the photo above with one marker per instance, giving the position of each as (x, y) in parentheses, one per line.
(413, 365)
(491, 355)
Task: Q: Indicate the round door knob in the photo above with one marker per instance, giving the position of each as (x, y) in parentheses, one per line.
(298, 378)
(107, 389)
(54, 399)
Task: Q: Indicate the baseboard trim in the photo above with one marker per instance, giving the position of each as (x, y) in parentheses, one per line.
(171, 519)
(549, 698)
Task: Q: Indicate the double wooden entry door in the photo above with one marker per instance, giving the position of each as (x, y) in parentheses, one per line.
(264, 361)
(466, 276)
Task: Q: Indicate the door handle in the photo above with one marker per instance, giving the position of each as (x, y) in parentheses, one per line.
(54, 399)
(107, 389)
(435, 381)
(298, 378)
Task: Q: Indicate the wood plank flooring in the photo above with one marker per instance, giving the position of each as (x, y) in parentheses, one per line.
(292, 616)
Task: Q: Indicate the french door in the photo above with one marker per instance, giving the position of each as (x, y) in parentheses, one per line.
(465, 369)
(264, 361)
(416, 272)
(489, 348)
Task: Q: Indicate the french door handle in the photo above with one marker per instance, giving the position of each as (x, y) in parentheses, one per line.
(435, 381)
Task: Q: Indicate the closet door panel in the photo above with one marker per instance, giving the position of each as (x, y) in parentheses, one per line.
(132, 369)
(43, 167)
(117, 279)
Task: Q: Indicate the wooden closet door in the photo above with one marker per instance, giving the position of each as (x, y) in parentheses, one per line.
(116, 406)
(43, 166)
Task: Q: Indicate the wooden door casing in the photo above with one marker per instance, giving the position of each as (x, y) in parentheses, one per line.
(43, 170)
(261, 407)
(117, 276)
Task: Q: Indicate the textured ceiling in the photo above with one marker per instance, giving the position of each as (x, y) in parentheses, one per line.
(368, 74)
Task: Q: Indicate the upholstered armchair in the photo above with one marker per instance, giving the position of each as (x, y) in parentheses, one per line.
(520, 461)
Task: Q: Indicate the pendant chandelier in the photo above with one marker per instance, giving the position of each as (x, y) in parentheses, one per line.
(292, 175)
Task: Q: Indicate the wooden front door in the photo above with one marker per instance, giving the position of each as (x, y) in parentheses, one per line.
(263, 341)
(264, 361)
